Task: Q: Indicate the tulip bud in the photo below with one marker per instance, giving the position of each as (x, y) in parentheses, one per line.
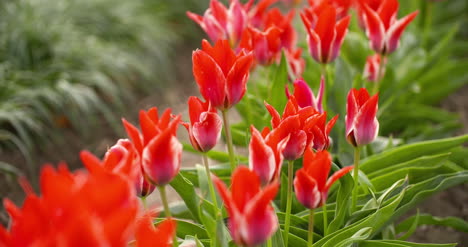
(362, 126)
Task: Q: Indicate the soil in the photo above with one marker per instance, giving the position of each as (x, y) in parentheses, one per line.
(453, 202)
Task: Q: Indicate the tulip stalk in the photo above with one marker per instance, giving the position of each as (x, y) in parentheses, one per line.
(162, 193)
(380, 74)
(210, 182)
(310, 235)
(227, 131)
(325, 219)
(287, 219)
(356, 178)
(426, 21)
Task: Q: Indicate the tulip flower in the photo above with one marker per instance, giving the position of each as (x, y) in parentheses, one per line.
(147, 235)
(373, 71)
(305, 126)
(382, 27)
(221, 23)
(325, 35)
(341, 6)
(252, 219)
(288, 36)
(157, 145)
(205, 125)
(266, 46)
(312, 183)
(362, 126)
(265, 158)
(73, 209)
(304, 95)
(220, 74)
(123, 159)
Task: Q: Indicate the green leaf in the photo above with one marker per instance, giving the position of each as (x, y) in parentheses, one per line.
(412, 228)
(408, 152)
(342, 203)
(360, 235)
(427, 219)
(185, 228)
(398, 243)
(375, 221)
(279, 81)
(186, 191)
(9, 169)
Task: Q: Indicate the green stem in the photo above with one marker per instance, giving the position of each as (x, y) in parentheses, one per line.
(328, 84)
(356, 178)
(212, 194)
(227, 131)
(162, 192)
(167, 211)
(310, 236)
(143, 201)
(288, 202)
(325, 219)
(380, 74)
(210, 182)
(269, 243)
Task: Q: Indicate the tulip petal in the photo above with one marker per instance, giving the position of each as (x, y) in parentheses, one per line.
(210, 78)
(147, 235)
(318, 166)
(387, 11)
(341, 30)
(375, 29)
(244, 186)
(306, 190)
(161, 158)
(208, 130)
(303, 93)
(261, 221)
(261, 157)
(134, 135)
(396, 30)
(366, 126)
(237, 79)
(325, 29)
(221, 53)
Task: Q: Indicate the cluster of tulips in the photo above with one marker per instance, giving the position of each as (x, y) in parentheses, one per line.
(99, 206)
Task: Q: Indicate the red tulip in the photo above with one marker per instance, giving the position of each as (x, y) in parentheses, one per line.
(157, 145)
(304, 95)
(382, 27)
(372, 68)
(265, 158)
(362, 126)
(341, 6)
(205, 125)
(288, 36)
(221, 23)
(148, 236)
(325, 35)
(221, 75)
(252, 219)
(306, 128)
(266, 46)
(311, 184)
(123, 159)
(74, 209)
(257, 12)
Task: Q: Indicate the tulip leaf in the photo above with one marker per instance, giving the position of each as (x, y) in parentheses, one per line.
(376, 220)
(411, 151)
(427, 219)
(277, 97)
(185, 228)
(342, 202)
(420, 191)
(360, 235)
(186, 191)
(398, 243)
